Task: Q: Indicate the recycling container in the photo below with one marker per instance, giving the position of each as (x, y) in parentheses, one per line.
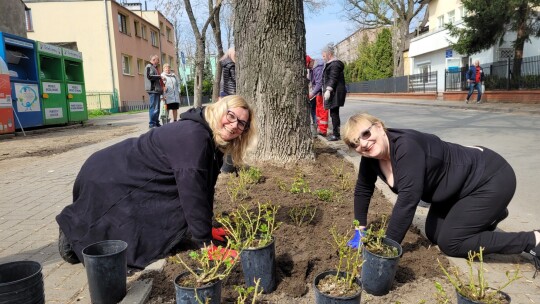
(20, 55)
(51, 82)
(7, 124)
(75, 87)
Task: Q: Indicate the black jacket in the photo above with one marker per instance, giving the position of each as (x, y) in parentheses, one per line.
(334, 77)
(229, 77)
(425, 167)
(147, 191)
(152, 80)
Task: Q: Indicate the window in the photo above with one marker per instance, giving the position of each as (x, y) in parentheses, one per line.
(140, 66)
(154, 38)
(29, 24)
(440, 21)
(462, 11)
(171, 62)
(163, 59)
(126, 64)
(122, 24)
(137, 28)
(143, 31)
(451, 17)
(169, 34)
(161, 28)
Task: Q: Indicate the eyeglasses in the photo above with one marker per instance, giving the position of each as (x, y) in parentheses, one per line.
(242, 125)
(365, 135)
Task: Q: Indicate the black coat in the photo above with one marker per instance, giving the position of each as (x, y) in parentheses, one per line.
(147, 191)
(229, 76)
(334, 77)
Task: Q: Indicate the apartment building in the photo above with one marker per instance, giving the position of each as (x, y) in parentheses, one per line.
(432, 51)
(347, 49)
(117, 41)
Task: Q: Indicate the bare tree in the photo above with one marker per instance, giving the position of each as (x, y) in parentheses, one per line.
(270, 46)
(215, 23)
(404, 16)
(315, 5)
(200, 38)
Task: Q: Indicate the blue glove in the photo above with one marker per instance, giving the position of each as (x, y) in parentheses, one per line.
(359, 233)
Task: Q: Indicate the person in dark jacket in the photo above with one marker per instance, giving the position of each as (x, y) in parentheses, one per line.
(334, 88)
(152, 85)
(469, 188)
(157, 189)
(228, 73)
(475, 78)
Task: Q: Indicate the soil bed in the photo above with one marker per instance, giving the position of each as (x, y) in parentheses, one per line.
(304, 251)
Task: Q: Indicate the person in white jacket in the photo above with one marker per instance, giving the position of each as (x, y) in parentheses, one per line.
(171, 92)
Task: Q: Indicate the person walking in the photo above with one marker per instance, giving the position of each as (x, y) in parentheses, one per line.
(469, 188)
(152, 85)
(475, 78)
(316, 68)
(334, 88)
(171, 93)
(158, 189)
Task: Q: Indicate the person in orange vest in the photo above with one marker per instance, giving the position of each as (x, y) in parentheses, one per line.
(316, 68)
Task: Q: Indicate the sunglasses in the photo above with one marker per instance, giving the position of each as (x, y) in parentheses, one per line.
(365, 135)
(242, 125)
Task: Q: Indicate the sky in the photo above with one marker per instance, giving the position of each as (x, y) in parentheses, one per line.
(325, 26)
(322, 27)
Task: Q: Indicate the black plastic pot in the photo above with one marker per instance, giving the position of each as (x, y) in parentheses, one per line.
(322, 298)
(260, 263)
(464, 300)
(190, 295)
(21, 282)
(106, 270)
(228, 166)
(378, 272)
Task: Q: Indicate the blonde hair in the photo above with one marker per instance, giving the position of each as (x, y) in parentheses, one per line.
(166, 65)
(230, 53)
(239, 146)
(352, 123)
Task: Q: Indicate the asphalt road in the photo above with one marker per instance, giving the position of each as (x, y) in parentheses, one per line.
(515, 136)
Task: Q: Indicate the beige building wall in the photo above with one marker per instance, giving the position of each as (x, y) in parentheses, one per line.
(347, 49)
(167, 36)
(442, 12)
(85, 23)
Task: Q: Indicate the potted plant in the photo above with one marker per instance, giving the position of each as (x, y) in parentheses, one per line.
(251, 233)
(474, 288)
(340, 285)
(381, 258)
(202, 283)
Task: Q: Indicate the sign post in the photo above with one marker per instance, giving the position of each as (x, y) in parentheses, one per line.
(183, 59)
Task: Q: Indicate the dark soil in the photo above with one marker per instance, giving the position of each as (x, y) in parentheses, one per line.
(304, 251)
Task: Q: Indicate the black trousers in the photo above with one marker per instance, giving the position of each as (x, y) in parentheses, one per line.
(463, 226)
(336, 121)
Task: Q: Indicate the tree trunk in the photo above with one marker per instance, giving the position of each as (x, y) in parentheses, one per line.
(270, 69)
(519, 44)
(215, 23)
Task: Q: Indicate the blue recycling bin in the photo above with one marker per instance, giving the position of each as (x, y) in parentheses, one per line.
(20, 55)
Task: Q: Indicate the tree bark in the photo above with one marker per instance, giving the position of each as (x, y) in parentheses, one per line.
(270, 69)
(215, 23)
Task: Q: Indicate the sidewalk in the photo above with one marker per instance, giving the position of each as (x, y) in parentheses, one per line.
(35, 191)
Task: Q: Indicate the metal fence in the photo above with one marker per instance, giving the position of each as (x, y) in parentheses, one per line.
(102, 101)
(424, 82)
(500, 75)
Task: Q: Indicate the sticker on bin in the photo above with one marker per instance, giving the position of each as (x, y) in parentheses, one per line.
(51, 49)
(72, 53)
(51, 88)
(53, 113)
(27, 97)
(76, 107)
(74, 88)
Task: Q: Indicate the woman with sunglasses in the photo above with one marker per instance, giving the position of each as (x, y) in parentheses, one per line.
(469, 188)
(158, 189)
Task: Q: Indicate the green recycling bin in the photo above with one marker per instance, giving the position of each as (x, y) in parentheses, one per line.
(75, 88)
(51, 82)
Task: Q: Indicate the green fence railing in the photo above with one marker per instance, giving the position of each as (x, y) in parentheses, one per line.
(102, 101)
